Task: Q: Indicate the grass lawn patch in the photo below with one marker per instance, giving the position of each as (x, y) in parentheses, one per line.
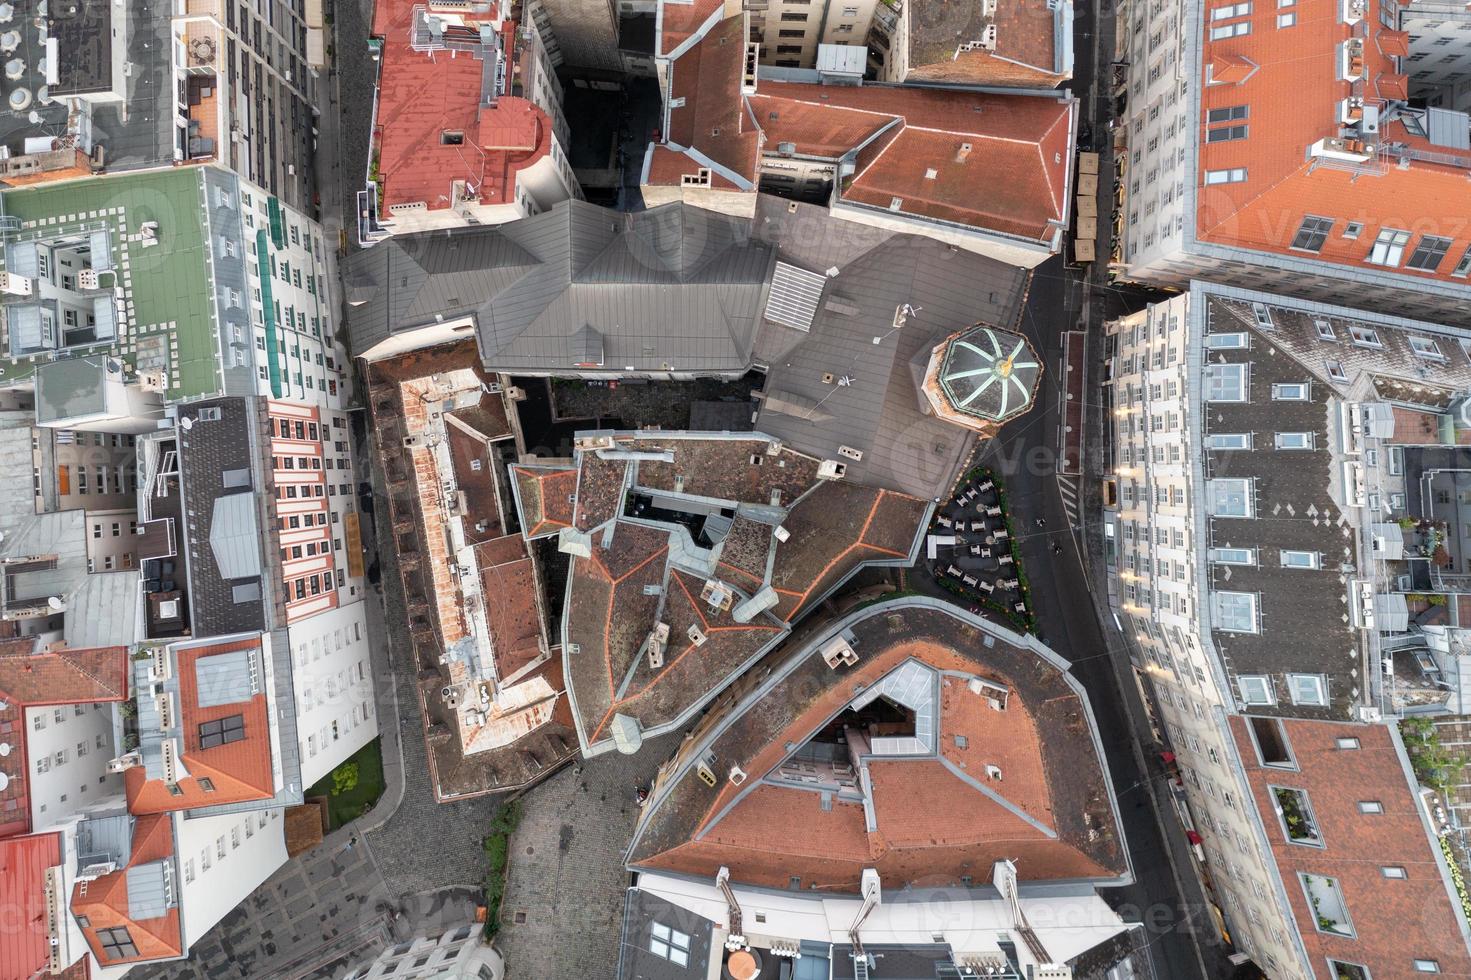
(497, 856)
(354, 786)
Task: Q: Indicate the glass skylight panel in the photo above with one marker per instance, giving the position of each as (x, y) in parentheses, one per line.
(1425, 347)
(1226, 382)
(1300, 559)
(1233, 556)
(1299, 391)
(1228, 440)
(1235, 612)
(1255, 689)
(1308, 689)
(1230, 497)
(1295, 440)
(1226, 341)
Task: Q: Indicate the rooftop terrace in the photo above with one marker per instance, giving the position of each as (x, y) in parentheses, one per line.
(145, 234)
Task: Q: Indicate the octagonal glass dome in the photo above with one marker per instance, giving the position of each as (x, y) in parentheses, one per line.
(990, 374)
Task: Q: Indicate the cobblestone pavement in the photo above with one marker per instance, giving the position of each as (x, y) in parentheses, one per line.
(567, 874)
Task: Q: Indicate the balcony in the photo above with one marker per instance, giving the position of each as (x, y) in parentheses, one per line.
(1329, 910)
(202, 103)
(1297, 816)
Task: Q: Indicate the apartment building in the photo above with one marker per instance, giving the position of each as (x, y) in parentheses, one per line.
(235, 90)
(1245, 528)
(1026, 43)
(114, 873)
(1439, 64)
(461, 954)
(95, 311)
(901, 158)
(790, 32)
(1334, 195)
(782, 835)
(467, 121)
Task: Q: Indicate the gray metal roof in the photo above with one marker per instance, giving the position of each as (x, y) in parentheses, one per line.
(673, 286)
(878, 411)
(103, 610)
(225, 678)
(234, 538)
(642, 913)
(72, 388)
(105, 838)
(149, 893)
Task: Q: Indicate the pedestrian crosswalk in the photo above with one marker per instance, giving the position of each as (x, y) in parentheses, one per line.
(1067, 487)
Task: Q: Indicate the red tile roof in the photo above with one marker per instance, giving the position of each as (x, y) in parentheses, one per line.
(1024, 52)
(420, 98)
(680, 21)
(713, 118)
(545, 496)
(1288, 81)
(24, 943)
(1033, 814)
(104, 900)
(1395, 920)
(240, 771)
(931, 149)
(62, 676)
(1012, 179)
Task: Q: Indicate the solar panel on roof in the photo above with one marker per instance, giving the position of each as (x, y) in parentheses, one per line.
(794, 296)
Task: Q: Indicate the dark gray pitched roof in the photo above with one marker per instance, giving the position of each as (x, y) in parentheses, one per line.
(673, 288)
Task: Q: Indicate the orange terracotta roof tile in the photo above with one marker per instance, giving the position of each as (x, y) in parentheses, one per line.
(713, 117)
(678, 22)
(62, 676)
(1288, 80)
(420, 97)
(1393, 919)
(239, 771)
(104, 901)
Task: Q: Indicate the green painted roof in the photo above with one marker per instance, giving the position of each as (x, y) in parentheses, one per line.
(172, 320)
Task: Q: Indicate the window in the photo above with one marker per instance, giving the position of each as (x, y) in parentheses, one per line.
(1235, 175)
(222, 731)
(1347, 971)
(1325, 330)
(1228, 440)
(1263, 316)
(1233, 556)
(1389, 247)
(1308, 689)
(1255, 689)
(1287, 20)
(1292, 392)
(1427, 966)
(1228, 114)
(1300, 559)
(1229, 497)
(1298, 822)
(1226, 341)
(207, 785)
(1365, 336)
(1428, 253)
(1326, 899)
(1226, 382)
(671, 944)
(1371, 806)
(1271, 743)
(1234, 612)
(1225, 134)
(1394, 871)
(1347, 743)
(1295, 440)
(117, 944)
(1427, 348)
(1231, 11)
(1336, 372)
(1225, 31)
(1463, 266)
(1312, 233)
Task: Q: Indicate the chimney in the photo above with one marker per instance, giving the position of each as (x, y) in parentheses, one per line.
(962, 153)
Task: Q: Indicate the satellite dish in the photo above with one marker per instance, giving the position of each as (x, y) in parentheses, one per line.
(186, 423)
(4, 749)
(56, 603)
(4, 782)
